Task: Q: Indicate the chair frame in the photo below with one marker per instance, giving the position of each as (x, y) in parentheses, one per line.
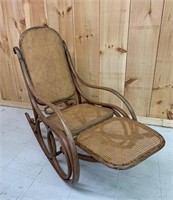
(64, 135)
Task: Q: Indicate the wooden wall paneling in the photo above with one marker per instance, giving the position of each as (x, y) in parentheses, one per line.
(97, 33)
(0, 88)
(144, 28)
(114, 18)
(13, 25)
(6, 70)
(162, 91)
(7, 81)
(26, 9)
(86, 22)
(34, 11)
(51, 12)
(60, 17)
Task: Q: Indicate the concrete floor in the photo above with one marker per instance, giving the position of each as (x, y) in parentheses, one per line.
(25, 173)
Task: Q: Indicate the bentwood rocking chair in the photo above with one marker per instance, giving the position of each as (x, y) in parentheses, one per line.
(107, 133)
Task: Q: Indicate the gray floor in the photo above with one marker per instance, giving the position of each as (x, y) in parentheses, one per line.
(25, 173)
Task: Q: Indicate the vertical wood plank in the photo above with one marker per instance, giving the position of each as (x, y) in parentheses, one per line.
(60, 18)
(145, 20)
(34, 12)
(86, 19)
(13, 26)
(52, 15)
(162, 91)
(26, 8)
(114, 18)
(7, 82)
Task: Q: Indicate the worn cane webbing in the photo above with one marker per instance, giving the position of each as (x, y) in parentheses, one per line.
(120, 143)
(82, 116)
(44, 54)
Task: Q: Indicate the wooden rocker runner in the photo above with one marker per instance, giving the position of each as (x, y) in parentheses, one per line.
(104, 131)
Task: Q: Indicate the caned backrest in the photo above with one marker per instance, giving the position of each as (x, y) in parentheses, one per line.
(43, 51)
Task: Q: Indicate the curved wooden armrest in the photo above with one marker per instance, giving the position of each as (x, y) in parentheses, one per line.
(116, 93)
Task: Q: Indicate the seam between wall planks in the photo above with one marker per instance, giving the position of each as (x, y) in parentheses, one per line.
(158, 44)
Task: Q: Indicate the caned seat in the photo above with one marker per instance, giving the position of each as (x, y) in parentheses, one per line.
(109, 134)
(82, 116)
(120, 143)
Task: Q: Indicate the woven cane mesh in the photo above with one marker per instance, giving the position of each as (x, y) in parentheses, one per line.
(47, 65)
(120, 143)
(82, 116)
